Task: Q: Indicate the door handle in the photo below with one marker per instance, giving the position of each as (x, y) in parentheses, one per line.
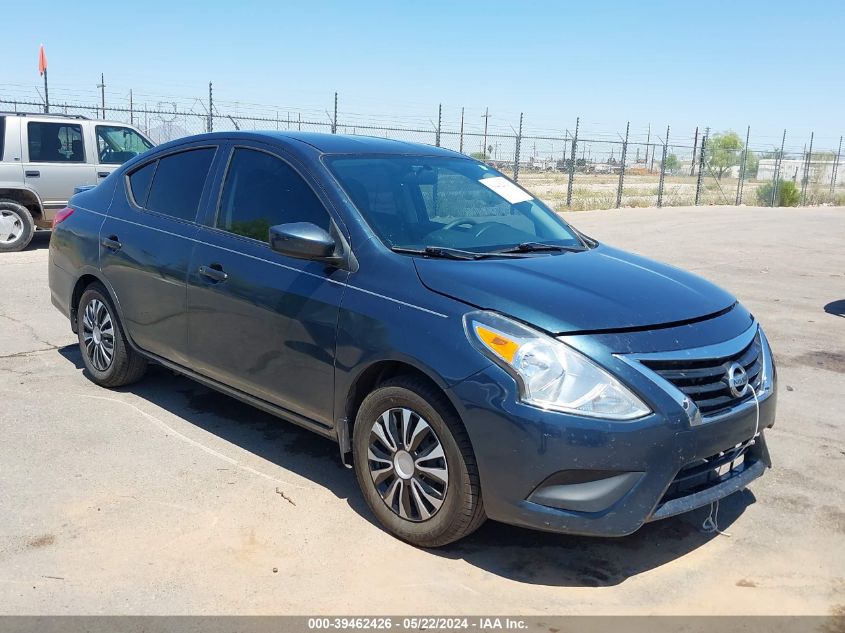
(213, 272)
(111, 242)
(32, 173)
(102, 174)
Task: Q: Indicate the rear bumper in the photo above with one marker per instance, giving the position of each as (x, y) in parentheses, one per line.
(61, 287)
(562, 473)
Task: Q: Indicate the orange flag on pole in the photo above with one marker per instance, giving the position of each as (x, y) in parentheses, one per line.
(42, 61)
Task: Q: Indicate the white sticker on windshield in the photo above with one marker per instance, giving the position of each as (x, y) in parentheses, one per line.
(506, 189)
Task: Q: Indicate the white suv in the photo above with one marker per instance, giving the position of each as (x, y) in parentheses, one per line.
(44, 157)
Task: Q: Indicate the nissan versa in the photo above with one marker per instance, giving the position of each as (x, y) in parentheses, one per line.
(472, 354)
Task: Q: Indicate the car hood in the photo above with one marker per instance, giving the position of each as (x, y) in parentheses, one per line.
(595, 290)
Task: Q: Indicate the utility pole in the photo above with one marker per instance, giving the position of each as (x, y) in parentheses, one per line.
(486, 117)
(131, 110)
(647, 141)
(439, 122)
(102, 87)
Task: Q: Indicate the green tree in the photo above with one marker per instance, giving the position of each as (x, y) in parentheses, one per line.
(752, 163)
(724, 150)
(787, 194)
(672, 163)
(478, 156)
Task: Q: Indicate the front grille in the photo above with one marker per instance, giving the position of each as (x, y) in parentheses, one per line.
(705, 381)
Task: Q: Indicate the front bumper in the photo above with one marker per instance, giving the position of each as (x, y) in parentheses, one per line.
(612, 477)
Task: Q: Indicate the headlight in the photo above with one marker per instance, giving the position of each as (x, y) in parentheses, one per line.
(551, 375)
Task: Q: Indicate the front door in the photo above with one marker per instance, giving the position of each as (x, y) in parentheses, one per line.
(56, 160)
(259, 321)
(115, 145)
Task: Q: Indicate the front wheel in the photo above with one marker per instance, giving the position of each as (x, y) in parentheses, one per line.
(415, 464)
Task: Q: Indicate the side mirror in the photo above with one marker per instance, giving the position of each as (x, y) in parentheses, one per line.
(303, 240)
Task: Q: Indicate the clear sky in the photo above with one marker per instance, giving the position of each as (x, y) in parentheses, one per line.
(770, 64)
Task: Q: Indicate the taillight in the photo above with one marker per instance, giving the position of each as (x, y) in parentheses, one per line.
(62, 215)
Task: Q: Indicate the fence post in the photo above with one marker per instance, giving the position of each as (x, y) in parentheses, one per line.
(694, 151)
(131, 110)
(439, 121)
(572, 164)
(461, 146)
(740, 183)
(622, 167)
(700, 168)
(835, 169)
(516, 154)
(805, 182)
(776, 175)
(334, 120)
(662, 168)
(210, 125)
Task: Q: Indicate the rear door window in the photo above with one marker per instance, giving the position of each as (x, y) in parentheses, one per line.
(178, 183)
(140, 181)
(55, 142)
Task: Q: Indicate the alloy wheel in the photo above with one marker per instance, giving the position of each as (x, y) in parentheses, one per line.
(98, 334)
(407, 464)
(11, 226)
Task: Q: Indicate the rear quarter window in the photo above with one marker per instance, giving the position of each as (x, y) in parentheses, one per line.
(178, 183)
(140, 181)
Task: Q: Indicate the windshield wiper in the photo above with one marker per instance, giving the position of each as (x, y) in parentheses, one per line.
(437, 251)
(451, 253)
(538, 247)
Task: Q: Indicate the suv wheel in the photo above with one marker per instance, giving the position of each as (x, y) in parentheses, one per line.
(415, 464)
(107, 357)
(16, 226)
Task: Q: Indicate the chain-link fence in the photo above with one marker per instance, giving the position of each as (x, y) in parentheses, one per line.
(575, 169)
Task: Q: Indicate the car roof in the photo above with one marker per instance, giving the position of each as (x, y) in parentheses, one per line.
(327, 143)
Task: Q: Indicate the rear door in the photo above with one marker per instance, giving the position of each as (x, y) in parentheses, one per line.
(56, 159)
(259, 321)
(146, 245)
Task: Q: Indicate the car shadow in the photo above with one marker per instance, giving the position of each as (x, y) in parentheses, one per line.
(837, 308)
(40, 240)
(518, 554)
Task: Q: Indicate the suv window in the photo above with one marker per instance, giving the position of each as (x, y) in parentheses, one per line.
(117, 144)
(261, 191)
(55, 142)
(178, 183)
(139, 182)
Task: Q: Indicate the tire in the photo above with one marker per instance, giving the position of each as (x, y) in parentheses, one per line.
(393, 484)
(16, 226)
(99, 328)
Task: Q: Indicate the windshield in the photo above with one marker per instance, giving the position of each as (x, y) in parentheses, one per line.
(418, 202)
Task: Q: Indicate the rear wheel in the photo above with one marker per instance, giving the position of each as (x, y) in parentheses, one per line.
(415, 464)
(16, 226)
(107, 356)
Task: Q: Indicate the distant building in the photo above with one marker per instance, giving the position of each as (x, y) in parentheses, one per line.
(793, 169)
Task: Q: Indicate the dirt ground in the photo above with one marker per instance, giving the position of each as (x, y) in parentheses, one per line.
(166, 498)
